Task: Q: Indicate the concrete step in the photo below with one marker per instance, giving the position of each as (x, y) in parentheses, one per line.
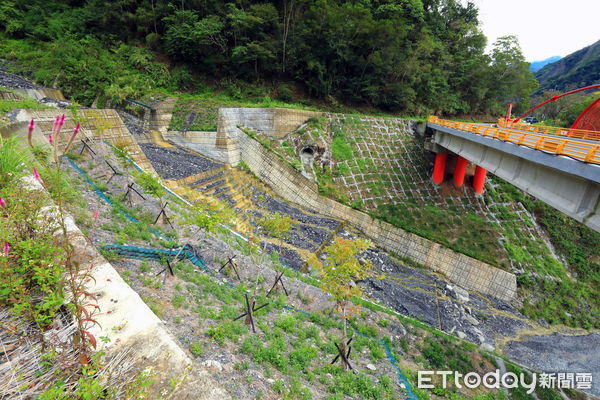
(216, 188)
(213, 184)
(205, 181)
(199, 176)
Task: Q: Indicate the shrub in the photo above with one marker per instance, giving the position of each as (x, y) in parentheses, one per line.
(301, 357)
(276, 225)
(285, 93)
(31, 271)
(196, 348)
(287, 322)
(150, 184)
(227, 330)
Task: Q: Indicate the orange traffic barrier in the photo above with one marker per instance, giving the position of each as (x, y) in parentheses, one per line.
(582, 151)
(551, 130)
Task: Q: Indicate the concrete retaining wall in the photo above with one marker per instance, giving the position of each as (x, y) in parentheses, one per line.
(204, 143)
(458, 268)
(231, 145)
(41, 93)
(10, 96)
(272, 122)
(159, 119)
(222, 145)
(101, 125)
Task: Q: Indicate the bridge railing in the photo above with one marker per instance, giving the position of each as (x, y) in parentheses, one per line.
(551, 130)
(582, 151)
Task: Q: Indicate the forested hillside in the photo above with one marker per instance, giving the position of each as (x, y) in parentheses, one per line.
(576, 70)
(417, 56)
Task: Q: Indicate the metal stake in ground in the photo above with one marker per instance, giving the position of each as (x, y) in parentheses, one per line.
(164, 214)
(343, 355)
(250, 310)
(169, 267)
(115, 172)
(130, 188)
(278, 280)
(87, 147)
(232, 264)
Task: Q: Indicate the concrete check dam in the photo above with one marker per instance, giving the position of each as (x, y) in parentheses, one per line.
(556, 165)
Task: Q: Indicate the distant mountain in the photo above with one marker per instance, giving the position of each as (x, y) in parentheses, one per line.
(535, 66)
(578, 69)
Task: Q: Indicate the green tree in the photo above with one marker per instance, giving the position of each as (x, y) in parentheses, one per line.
(339, 273)
(510, 78)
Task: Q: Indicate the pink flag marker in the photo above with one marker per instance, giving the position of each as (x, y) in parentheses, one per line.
(6, 249)
(2, 203)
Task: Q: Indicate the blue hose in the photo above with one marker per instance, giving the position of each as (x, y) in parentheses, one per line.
(141, 253)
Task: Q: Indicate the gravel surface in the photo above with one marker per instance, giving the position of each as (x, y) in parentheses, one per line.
(287, 256)
(560, 353)
(134, 124)
(421, 294)
(171, 163)
(14, 81)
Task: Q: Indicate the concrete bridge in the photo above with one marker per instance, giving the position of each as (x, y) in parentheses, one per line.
(559, 166)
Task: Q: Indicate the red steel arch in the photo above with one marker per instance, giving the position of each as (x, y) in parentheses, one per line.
(589, 119)
(554, 98)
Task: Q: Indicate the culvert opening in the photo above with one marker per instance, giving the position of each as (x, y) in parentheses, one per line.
(308, 151)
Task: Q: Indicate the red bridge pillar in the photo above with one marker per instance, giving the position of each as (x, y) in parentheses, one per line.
(459, 171)
(439, 168)
(479, 179)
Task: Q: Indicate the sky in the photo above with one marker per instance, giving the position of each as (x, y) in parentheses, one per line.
(545, 28)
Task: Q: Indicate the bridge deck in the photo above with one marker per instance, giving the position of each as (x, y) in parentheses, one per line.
(585, 150)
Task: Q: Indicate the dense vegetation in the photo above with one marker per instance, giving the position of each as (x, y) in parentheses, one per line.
(419, 56)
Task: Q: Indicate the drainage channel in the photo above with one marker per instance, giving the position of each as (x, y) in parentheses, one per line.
(186, 252)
